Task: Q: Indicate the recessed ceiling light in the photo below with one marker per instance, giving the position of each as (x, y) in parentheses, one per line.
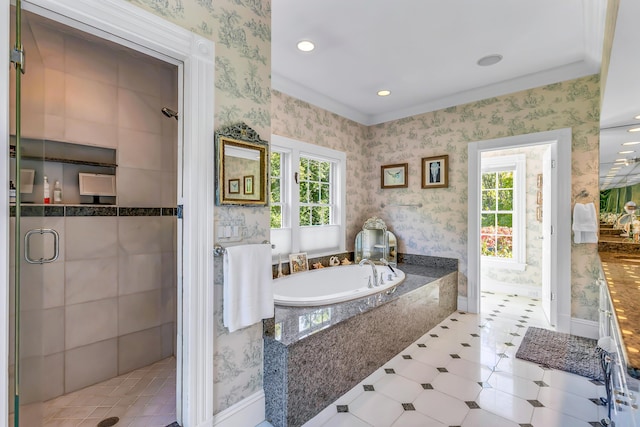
(626, 152)
(631, 143)
(384, 92)
(485, 61)
(637, 117)
(306, 46)
(634, 130)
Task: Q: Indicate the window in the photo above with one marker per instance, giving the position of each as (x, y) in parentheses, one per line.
(502, 232)
(307, 200)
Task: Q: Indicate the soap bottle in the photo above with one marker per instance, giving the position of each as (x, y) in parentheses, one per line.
(57, 192)
(12, 192)
(47, 192)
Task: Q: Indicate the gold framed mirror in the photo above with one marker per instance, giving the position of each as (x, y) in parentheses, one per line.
(241, 164)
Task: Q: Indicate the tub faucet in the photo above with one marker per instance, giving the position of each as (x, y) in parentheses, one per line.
(373, 282)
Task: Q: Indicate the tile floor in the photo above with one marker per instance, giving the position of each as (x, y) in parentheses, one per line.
(464, 373)
(145, 397)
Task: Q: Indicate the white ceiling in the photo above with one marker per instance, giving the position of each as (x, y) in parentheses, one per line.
(426, 53)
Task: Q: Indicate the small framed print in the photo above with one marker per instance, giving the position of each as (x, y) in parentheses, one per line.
(234, 186)
(539, 180)
(298, 262)
(248, 184)
(539, 198)
(394, 176)
(435, 171)
(539, 213)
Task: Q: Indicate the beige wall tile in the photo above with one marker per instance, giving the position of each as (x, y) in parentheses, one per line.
(137, 312)
(139, 111)
(50, 46)
(169, 269)
(169, 305)
(168, 340)
(90, 133)
(90, 61)
(91, 280)
(90, 322)
(91, 237)
(53, 284)
(140, 235)
(53, 330)
(54, 93)
(139, 187)
(53, 376)
(138, 273)
(139, 349)
(91, 100)
(139, 150)
(140, 75)
(87, 365)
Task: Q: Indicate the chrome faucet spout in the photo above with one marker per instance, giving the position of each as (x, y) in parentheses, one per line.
(373, 270)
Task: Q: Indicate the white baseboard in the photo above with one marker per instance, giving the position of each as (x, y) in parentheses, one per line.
(463, 304)
(248, 412)
(497, 286)
(584, 328)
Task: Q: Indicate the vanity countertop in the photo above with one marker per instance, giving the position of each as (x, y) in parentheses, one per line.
(622, 273)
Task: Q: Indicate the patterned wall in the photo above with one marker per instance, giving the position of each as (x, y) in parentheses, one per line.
(241, 30)
(439, 227)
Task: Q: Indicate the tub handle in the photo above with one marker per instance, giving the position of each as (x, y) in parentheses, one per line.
(392, 290)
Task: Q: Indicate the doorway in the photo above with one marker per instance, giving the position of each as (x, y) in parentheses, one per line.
(556, 224)
(194, 58)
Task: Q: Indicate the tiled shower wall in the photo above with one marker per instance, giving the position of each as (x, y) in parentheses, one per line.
(108, 304)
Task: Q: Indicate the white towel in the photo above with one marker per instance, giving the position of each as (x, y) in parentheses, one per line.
(585, 224)
(248, 288)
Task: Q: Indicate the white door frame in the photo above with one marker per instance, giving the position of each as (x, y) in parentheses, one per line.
(560, 217)
(123, 23)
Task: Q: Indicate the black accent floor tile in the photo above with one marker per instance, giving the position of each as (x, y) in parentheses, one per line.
(427, 386)
(368, 387)
(597, 401)
(514, 334)
(522, 321)
(422, 345)
(475, 335)
(528, 310)
(433, 335)
(541, 384)
(596, 382)
(503, 355)
(508, 344)
(501, 305)
(389, 371)
(520, 326)
(444, 327)
(493, 315)
(525, 317)
(535, 404)
(408, 407)
(406, 356)
(464, 344)
(472, 405)
(454, 320)
(489, 320)
(442, 370)
(526, 425)
(342, 408)
(174, 424)
(454, 356)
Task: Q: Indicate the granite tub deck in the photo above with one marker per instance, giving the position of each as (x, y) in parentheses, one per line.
(341, 344)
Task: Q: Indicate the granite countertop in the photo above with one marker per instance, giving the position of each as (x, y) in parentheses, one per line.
(292, 324)
(622, 271)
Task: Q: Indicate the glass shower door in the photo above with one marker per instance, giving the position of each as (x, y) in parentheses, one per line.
(32, 245)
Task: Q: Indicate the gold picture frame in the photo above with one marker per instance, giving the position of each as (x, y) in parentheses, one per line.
(298, 262)
(234, 186)
(394, 176)
(248, 184)
(435, 171)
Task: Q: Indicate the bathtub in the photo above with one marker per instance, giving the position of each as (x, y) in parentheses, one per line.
(332, 284)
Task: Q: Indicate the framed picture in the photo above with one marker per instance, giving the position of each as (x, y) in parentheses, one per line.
(234, 186)
(298, 262)
(435, 172)
(539, 180)
(539, 198)
(394, 176)
(248, 184)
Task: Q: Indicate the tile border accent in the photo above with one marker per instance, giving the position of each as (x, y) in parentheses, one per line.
(78, 210)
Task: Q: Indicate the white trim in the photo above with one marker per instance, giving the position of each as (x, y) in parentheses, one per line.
(463, 303)
(560, 216)
(123, 23)
(247, 412)
(4, 213)
(584, 328)
(293, 149)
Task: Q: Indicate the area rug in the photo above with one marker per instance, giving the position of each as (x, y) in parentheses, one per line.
(565, 352)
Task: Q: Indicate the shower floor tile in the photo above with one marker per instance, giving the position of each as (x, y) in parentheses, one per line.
(470, 377)
(144, 397)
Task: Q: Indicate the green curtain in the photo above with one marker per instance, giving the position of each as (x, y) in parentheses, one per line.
(613, 200)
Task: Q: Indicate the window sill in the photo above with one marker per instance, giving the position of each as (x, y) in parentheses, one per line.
(502, 264)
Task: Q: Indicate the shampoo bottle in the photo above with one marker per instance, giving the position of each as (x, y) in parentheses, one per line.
(57, 192)
(47, 192)
(12, 192)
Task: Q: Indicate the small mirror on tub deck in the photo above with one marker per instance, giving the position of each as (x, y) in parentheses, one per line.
(375, 242)
(241, 164)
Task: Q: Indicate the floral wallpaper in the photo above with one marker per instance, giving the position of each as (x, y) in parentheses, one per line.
(532, 275)
(439, 227)
(241, 30)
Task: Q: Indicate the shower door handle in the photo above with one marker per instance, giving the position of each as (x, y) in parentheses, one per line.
(27, 245)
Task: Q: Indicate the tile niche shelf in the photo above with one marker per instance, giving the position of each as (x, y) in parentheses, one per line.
(63, 161)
